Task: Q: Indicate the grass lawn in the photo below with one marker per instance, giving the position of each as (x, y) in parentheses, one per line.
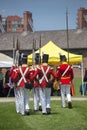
(60, 119)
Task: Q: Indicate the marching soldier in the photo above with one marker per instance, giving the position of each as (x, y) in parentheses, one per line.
(36, 95)
(45, 88)
(16, 90)
(22, 76)
(65, 77)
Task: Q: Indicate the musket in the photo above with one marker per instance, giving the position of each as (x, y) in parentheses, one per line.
(13, 51)
(33, 52)
(17, 53)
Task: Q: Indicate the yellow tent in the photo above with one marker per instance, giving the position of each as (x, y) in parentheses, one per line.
(54, 51)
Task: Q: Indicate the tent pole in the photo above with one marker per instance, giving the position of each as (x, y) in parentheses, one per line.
(40, 50)
(82, 79)
(67, 33)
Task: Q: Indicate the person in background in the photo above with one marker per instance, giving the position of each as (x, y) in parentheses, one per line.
(21, 77)
(84, 87)
(65, 76)
(6, 86)
(1, 83)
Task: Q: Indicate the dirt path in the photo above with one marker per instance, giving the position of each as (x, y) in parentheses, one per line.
(12, 99)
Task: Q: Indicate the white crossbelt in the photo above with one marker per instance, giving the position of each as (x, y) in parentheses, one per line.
(65, 70)
(23, 75)
(44, 75)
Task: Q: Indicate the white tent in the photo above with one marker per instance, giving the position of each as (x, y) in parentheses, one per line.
(5, 61)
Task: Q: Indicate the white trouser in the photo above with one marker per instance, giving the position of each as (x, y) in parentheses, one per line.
(36, 98)
(26, 98)
(21, 100)
(43, 99)
(47, 96)
(17, 98)
(65, 91)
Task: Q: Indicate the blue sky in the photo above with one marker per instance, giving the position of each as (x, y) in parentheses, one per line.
(47, 14)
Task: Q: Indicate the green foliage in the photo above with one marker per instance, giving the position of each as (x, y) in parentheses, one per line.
(77, 83)
(60, 119)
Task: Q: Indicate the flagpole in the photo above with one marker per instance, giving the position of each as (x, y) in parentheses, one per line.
(40, 50)
(67, 34)
(13, 51)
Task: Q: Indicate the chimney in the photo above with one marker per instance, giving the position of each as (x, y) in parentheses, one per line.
(28, 22)
(82, 18)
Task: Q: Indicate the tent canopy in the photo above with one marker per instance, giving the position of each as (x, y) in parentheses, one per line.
(54, 51)
(5, 61)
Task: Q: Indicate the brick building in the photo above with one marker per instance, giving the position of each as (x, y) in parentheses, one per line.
(16, 23)
(77, 38)
(82, 18)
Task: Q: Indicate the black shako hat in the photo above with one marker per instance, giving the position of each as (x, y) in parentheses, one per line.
(23, 58)
(63, 58)
(45, 58)
(37, 58)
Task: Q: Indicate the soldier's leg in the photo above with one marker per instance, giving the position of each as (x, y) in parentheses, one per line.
(48, 94)
(68, 96)
(43, 101)
(17, 96)
(35, 99)
(26, 101)
(63, 96)
(21, 100)
(38, 98)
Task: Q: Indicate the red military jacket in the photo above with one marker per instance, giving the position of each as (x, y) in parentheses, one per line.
(45, 73)
(36, 79)
(11, 70)
(68, 76)
(28, 74)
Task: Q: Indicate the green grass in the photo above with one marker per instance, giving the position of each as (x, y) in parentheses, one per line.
(77, 82)
(60, 119)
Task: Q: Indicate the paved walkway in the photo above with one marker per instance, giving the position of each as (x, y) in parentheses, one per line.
(12, 99)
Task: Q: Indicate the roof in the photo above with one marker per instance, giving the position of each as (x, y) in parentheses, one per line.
(5, 61)
(77, 39)
(54, 54)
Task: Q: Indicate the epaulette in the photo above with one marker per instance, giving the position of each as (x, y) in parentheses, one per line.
(32, 69)
(38, 67)
(15, 70)
(58, 67)
(51, 68)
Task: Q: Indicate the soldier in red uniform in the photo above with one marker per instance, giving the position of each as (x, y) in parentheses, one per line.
(36, 95)
(16, 89)
(45, 88)
(21, 76)
(65, 77)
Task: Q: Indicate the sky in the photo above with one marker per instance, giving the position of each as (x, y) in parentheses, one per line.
(46, 14)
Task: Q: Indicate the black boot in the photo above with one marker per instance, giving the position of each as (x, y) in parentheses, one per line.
(69, 105)
(48, 110)
(27, 112)
(40, 108)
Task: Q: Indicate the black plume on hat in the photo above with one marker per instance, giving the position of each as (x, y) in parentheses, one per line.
(45, 58)
(24, 58)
